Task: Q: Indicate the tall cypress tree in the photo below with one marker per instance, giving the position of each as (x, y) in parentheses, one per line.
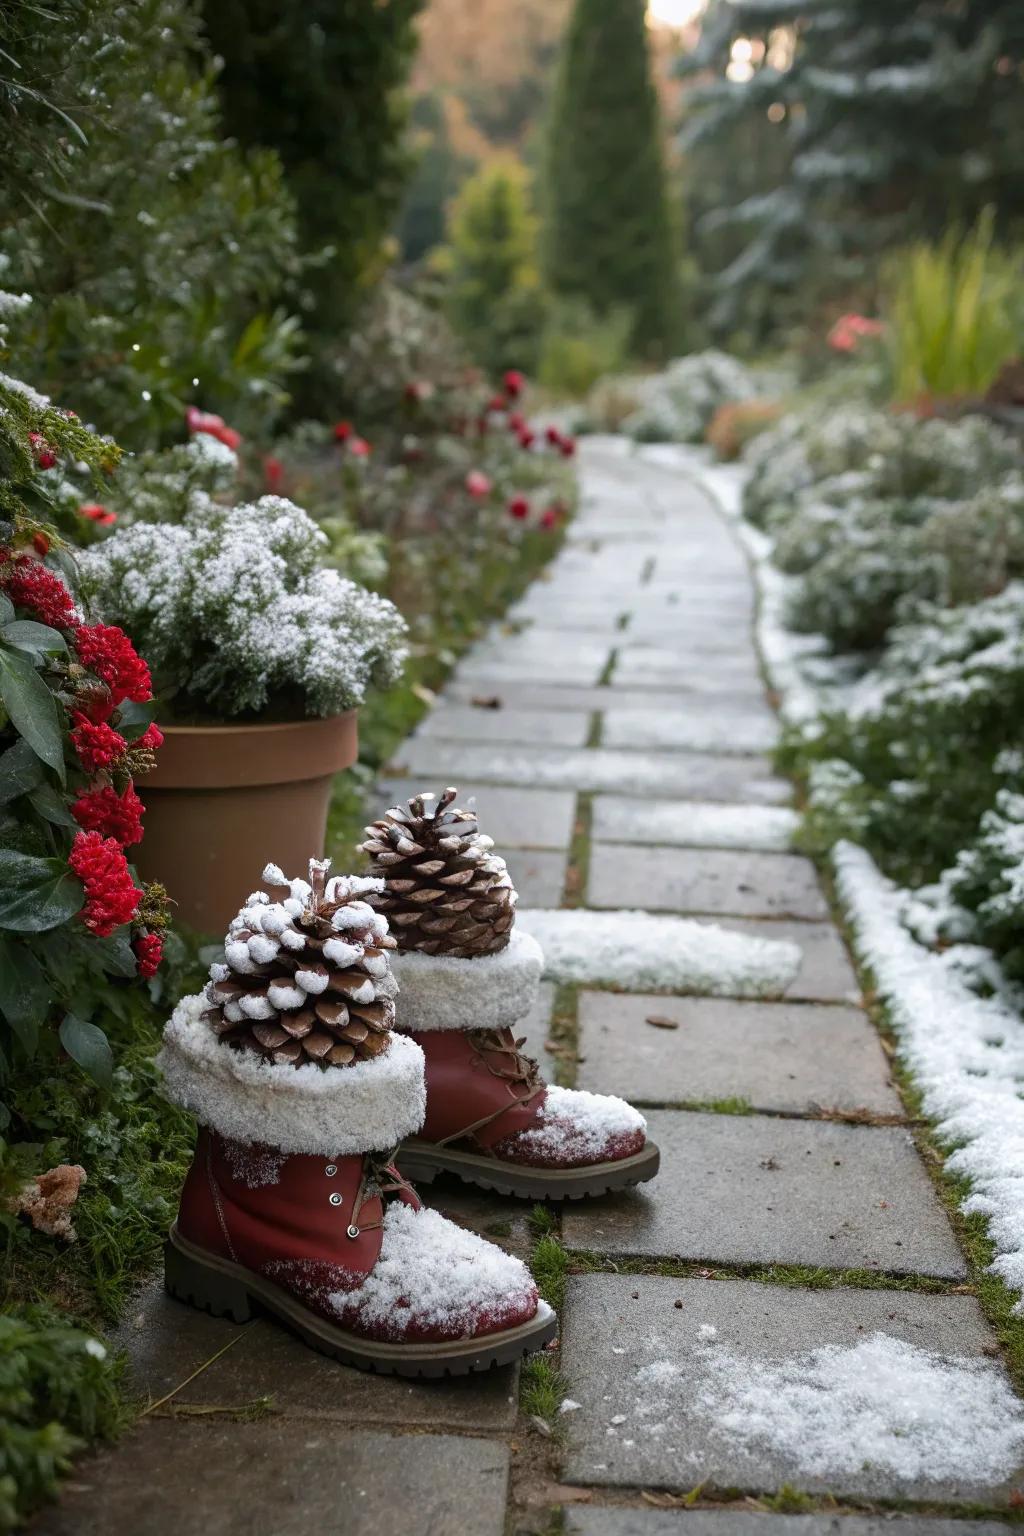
(609, 236)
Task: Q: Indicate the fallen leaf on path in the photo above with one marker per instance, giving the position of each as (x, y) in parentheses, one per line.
(661, 1021)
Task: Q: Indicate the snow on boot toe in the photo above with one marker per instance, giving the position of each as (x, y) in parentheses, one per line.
(575, 1129)
(436, 1281)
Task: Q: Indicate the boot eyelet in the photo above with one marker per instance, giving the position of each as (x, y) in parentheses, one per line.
(352, 1232)
(331, 1170)
(335, 1199)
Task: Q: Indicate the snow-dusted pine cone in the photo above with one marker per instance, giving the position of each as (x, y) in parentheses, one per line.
(445, 892)
(307, 979)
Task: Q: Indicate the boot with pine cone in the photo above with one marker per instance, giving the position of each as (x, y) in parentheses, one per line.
(467, 976)
(293, 1204)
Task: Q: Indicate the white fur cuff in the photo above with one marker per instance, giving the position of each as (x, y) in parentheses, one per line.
(368, 1107)
(440, 992)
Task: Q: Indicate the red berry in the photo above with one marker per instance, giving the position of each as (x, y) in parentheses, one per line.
(342, 431)
(41, 544)
(550, 517)
(514, 383)
(97, 513)
(477, 483)
(519, 508)
(526, 438)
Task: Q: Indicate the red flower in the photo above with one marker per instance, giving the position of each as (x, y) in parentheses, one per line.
(97, 744)
(849, 329)
(359, 447)
(149, 951)
(519, 508)
(514, 383)
(214, 426)
(30, 585)
(107, 652)
(96, 513)
(111, 898)
(343, 431)
(151, 740)
(551, 517)
(526, 438)
(477, 483)
(497, 403)
(554, 437)
(110, 814)
(273, 474)
(568, 447)
(516, 421)
(45, 453)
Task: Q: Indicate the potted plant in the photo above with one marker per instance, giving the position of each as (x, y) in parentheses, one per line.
(260, 658)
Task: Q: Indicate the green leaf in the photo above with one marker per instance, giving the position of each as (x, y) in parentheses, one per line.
(6, 609)
(134, 718)
(37, 639)
(20, 771)
(24, 992)
(87, 1044)
(32, 708)
(52, 807)
(36, 894)
(116, 956)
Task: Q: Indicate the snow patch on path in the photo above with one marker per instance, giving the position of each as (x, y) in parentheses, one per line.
(694, 824)
(882, 1404)
(638, 951)
(966, 1053)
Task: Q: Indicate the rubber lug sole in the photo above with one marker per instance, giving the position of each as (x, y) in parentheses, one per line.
(224, 1289)
(422, 1161)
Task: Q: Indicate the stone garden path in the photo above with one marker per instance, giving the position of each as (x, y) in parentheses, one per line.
(627, 767)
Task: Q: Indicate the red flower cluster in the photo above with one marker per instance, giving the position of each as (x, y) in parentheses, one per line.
(111, 898)
(214, 426)
(519, 508)
(45, 453)
(97, 513)
(98, 745)
(110, 814)
(478, 484)
(514, 382)
(273, 474)
(149, 951)
(107, 651)
(30, 585)
(152, 739)
(565, 444)
(849, 330)
(345, 432)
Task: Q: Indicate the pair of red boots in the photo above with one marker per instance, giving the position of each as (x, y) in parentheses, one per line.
(307, 1097)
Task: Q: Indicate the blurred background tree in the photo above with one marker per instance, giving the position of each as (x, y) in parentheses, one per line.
(827, 134)
(609, 237)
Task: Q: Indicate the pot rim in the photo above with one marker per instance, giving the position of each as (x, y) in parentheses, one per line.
(226, 756)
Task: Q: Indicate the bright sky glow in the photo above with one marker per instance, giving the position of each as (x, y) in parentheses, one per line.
(673, 13)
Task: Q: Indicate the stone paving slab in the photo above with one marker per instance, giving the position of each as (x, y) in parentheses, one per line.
(536, 1027)
(686, 678)
(515, 818)
(166, 1341)
(278, 1478)
(825, 974)
(538, 874)
(536, 644)
(460, 722)
(693, 824)
(556, 696)
(729, 1521)
(699, 776)
(712, 728)
(704, 880)
(793, 1057)
(756, 1189)
(665, 669)
(617, 1326)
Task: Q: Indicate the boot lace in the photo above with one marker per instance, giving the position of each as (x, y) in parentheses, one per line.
(381, 1179)
(513, 1066)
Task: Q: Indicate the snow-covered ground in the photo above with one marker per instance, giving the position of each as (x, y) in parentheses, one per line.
(966, 1051)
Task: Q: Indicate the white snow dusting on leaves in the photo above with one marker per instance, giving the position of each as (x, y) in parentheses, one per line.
(966, 1053)
(639, 951)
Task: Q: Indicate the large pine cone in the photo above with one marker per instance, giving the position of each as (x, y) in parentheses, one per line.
(306, 979)
(445, 892)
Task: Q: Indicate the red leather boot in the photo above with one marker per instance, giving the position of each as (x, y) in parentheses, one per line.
(466, 977)
(293, 1204)
(491, 1119)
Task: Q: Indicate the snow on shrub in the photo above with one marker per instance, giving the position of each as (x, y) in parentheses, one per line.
(677, 405)
(236, 617)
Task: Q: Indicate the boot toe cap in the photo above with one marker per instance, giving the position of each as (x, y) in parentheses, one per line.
(575, 1129)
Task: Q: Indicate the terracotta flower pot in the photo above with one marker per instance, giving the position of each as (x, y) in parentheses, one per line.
(225, 799)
